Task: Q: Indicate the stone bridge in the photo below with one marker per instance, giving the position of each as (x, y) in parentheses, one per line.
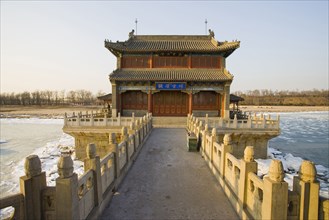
(148, 173)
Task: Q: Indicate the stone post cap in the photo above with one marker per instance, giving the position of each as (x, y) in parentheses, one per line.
(307, 171)
(227, 139)
(32, 166)
(213, 132)
(248, 155)
(112, 138)
(91, 151)
(132, 125)
(124, 131)
(276, 172)
(65, 167)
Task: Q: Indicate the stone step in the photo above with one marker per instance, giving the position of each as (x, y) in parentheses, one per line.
(169, 122)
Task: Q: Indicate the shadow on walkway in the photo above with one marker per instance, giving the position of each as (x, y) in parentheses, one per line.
(167, 182)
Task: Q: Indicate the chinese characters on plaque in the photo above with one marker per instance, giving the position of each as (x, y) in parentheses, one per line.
(170, 86)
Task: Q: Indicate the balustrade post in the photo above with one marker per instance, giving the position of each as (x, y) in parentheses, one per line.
(235, 121)
(92, 119)
(204, 137)
(199, 132)
(263, 122)
(78, 120)
(141, 130)
(247, 165)
(93, 162)
(325, 210)
(275, 193)
(213, 139)
(67, 200)
(119, 118)
(31, 186)
(105, 119)
(137, 133)
(278, 121)
(307, 186)
(206, 122)
(249, 122)
(227, 148)
(188, 121)
(113, 147)
(132, 132)
(124, 138)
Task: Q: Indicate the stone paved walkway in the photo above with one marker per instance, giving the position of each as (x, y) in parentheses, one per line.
(167, 182)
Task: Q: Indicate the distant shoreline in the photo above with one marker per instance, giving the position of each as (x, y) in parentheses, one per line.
(272, 108)
(59, 111)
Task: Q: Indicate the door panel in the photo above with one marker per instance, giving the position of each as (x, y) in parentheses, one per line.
(170, 103)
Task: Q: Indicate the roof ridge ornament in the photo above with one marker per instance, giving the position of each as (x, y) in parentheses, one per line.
(211, 33)
(131, 34)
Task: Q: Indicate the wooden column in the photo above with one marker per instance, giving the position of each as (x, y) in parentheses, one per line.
(119, 103)
(190, 61)
(114, 99)
(190, 103)
(226, 101)
(151, 61)
(149, 102)
(219, 104)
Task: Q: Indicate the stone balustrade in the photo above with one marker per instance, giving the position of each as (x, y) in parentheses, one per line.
(255, 121)
(98, 119)
(74, 197)
(254, 197)
(256, 131)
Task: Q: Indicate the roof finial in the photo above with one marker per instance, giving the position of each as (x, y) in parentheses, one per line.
(211, 33)
(136, 25)
(206, 22)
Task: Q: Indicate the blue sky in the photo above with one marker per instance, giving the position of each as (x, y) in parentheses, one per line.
(59, 45)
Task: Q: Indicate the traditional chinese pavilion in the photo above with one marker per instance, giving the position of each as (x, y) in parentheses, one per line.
(171, 75)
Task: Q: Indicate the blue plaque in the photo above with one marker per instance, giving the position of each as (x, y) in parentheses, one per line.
(170, 86)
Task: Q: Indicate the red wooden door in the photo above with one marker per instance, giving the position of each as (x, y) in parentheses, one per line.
(170, 103)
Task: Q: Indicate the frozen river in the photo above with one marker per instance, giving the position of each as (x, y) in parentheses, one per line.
(303, 135)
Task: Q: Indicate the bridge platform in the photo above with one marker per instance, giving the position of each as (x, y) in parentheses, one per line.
(168, 182)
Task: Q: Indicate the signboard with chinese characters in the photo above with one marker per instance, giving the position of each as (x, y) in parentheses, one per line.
(170, 85)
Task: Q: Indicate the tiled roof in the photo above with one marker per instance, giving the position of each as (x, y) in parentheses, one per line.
(171, 75)
(172, 43)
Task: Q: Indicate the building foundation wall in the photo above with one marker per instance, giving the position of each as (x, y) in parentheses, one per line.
(203, 113)
(129, 112)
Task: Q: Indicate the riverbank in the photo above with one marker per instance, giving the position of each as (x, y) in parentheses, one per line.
(59, 111)
(249, 108)
(42, 111)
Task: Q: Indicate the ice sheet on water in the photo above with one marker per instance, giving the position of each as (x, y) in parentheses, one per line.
(31, 121)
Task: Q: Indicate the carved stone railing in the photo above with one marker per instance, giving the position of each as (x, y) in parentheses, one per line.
(96, 120)
(256, 130)
(254, 197)
(253, 122)
(74, 197)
